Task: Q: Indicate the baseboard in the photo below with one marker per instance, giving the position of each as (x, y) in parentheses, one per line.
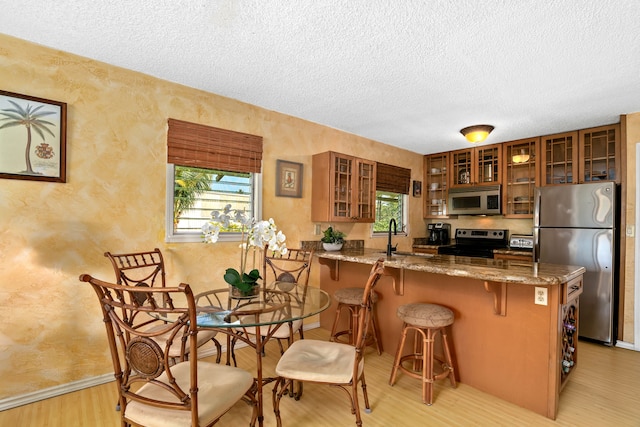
(627, 345)
(47, 393)
(23, 399)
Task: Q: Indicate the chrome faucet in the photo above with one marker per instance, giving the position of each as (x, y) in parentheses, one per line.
(390, 248)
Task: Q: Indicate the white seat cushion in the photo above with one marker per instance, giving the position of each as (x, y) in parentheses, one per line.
(219, 388)
(321, 361)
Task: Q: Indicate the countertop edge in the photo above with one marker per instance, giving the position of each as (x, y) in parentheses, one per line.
(493, 270)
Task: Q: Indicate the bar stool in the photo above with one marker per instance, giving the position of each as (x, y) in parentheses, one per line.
(350, 299)
(427, 321)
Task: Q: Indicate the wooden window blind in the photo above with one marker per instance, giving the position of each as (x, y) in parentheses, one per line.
(195, 145)
(393, 178)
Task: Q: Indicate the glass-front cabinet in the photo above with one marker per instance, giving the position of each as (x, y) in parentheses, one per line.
(599, 149)
(559, 158)
(476, 166)
(521, 169)
(435, 195)
(343, 188)
(582, 156)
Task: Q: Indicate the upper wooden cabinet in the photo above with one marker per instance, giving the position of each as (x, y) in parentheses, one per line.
(435, 194)
(598, 151)
(581, 156)
(559, 158)
(521, 169)
(475, 166)
(343, 188)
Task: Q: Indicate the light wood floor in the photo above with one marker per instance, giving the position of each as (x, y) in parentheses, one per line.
(604, 391)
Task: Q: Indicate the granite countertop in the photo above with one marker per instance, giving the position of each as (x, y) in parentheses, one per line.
(494, 270)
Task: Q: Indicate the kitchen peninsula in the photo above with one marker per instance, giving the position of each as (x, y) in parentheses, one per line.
(515, 330)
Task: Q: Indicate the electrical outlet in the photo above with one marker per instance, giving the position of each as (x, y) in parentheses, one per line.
(541, 296)
(317, 230)
(631, 231)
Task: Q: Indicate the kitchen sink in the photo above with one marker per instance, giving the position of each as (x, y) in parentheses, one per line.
(401, 254)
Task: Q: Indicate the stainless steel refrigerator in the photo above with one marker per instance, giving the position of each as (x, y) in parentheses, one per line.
(577, 225)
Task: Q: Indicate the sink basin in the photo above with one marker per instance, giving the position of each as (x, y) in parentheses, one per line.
(406, 254)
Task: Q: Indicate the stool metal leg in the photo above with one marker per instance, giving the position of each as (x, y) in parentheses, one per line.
(427, 366)
(336, 319)
(396, 362)
(376, 333)
(447, 356)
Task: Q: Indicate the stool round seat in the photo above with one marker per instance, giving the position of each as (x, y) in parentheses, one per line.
(425, 315)
(353, 296)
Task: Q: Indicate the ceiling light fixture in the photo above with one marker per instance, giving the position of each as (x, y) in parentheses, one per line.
(520, 158)
(476, 133)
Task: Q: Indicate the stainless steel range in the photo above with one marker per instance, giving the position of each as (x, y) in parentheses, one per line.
(476, 243)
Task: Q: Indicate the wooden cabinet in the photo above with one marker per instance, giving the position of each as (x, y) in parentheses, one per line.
(599, 154)
(521, 169)
(431, 250)
(476, 166)
(559, 158)
(583, 156)
(343, 188)
(512, 257)
(436, 191)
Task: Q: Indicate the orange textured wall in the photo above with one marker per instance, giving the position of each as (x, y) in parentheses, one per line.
(114, 200)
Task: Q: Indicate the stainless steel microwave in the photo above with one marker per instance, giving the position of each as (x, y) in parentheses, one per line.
(481, 200)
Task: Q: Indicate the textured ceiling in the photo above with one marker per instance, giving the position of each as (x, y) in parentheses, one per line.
(408, 73)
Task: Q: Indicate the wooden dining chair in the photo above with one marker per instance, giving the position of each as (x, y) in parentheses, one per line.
(147, 269)
(155, 388)
(332, 363)
(288, 273)
(284, 273)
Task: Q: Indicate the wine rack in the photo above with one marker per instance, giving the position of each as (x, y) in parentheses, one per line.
(569, 338)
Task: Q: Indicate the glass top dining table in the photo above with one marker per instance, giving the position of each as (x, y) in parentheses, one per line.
(254, 319)
(219, 308)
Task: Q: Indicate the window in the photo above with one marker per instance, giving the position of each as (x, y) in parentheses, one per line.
(392, 187)
(207, 169)
(390, 206)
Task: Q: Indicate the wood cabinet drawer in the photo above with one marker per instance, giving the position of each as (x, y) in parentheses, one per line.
(571, 290)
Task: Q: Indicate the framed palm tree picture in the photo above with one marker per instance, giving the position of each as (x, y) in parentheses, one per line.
(33, 138)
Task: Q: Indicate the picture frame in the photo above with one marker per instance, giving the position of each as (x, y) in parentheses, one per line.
(417, 188)
(288, 178)
(37, 152)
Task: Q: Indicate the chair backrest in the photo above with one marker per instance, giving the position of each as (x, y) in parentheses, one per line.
(365, 313)
(136, 267)
(288, 273)
(140, 269)
(140, 341)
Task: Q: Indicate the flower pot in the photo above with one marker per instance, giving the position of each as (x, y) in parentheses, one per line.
(237, 293)
(332, 246)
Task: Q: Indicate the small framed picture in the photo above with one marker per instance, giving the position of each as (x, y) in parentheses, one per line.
(33, 138)
(288, 179)
(417, 188)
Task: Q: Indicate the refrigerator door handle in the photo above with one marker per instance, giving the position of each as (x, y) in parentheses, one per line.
(536, 244)
(537, 199)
